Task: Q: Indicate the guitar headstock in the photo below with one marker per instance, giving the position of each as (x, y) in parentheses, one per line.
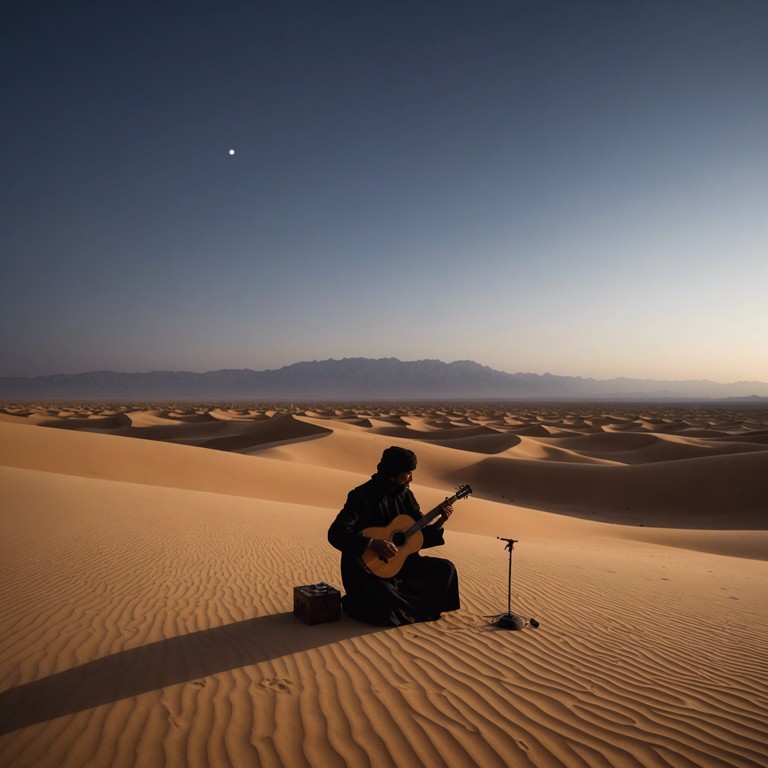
(463, 492)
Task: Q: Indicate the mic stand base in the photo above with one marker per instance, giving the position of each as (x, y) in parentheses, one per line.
(510, 621)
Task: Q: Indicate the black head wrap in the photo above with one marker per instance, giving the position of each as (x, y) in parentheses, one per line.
(396, 460)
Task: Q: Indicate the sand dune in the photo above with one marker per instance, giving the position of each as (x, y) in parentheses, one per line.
(690, 493)
(147, 587)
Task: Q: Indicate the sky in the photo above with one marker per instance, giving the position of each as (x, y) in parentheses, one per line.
(563, 186)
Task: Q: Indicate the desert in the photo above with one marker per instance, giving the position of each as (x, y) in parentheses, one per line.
(149, 554)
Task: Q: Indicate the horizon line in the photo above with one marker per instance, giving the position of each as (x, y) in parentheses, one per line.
(381, 359)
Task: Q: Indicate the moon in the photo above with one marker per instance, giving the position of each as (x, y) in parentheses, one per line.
(231, 151)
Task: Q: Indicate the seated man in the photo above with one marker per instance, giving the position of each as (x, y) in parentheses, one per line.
(425, 586)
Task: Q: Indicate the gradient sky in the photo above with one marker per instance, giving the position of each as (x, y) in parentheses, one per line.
(537, 185)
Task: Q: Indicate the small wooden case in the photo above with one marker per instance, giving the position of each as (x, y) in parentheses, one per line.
(317, 603)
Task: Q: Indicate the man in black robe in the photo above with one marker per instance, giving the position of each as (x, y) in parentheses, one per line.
(425, 586)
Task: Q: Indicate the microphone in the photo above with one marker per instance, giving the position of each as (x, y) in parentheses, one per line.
(509, 541)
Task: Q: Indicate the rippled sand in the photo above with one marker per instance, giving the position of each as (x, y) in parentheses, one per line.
(147, 588)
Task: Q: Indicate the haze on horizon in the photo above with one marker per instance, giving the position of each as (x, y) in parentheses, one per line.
(573, 188)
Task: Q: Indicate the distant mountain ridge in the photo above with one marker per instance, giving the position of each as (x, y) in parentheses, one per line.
(362, 378)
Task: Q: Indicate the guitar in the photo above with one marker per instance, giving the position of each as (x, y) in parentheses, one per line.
(405, 533)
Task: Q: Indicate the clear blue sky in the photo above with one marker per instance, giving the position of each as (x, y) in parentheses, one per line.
(568, 186)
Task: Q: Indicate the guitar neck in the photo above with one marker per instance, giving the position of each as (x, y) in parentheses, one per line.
(429, 517)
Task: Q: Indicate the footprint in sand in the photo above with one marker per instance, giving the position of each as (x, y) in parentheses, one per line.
(276, 685)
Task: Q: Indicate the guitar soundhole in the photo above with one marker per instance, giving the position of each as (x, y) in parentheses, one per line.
(398, 539)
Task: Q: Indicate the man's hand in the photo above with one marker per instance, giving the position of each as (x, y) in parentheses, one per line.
(447, 511)
(383, 548)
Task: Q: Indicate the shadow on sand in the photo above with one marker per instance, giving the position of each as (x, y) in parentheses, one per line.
(167, 662)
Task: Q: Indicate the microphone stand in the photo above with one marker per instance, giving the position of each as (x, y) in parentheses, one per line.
(510, 620)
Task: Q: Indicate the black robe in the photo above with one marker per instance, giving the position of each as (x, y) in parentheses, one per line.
(422, 589)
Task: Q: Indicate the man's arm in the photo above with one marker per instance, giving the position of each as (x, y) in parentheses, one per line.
(446, 513)
(433, 534)
(344, 533)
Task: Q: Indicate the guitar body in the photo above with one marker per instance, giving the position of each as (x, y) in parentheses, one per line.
(394, 533)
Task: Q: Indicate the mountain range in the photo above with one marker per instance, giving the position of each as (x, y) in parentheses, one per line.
(360, 378)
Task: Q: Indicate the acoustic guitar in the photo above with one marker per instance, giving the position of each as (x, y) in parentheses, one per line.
(405, 533)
